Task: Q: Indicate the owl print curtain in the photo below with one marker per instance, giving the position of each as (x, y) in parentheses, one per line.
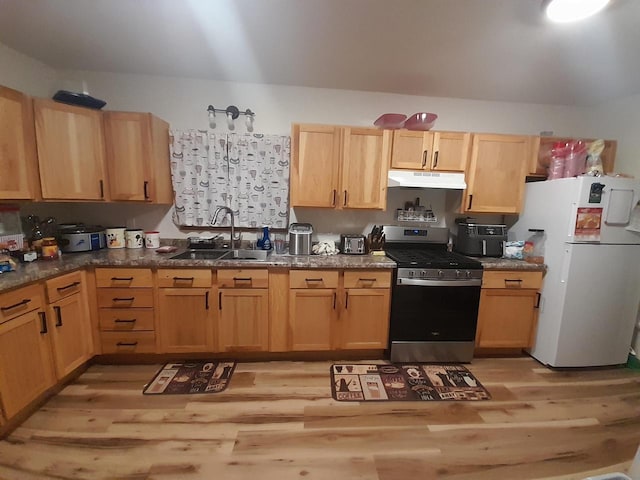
(248, 173)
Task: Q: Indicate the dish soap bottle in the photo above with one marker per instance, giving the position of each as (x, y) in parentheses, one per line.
(266, 241)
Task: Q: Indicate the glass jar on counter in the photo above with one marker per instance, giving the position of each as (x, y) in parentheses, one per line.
(50, 249)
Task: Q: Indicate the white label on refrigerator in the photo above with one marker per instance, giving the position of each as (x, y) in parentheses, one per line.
(619, 209)
(588, 224)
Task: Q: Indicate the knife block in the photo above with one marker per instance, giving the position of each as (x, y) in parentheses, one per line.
(374, 244)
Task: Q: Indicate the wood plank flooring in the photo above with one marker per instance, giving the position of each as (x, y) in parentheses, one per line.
(277, 420)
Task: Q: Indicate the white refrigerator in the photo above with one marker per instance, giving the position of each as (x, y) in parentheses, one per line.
(591, 291)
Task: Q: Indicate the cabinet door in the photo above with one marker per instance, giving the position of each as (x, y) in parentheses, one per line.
(128, 140)
(496, 173)
(365, 166)
(71, 151)
(186, 320)
(315, 160)
(19, 178)
(411, 149)
(506, 318)
(25, 357)
(450, 151)
(70, 332)
(243, 322)
(364, 322)
(312, 318)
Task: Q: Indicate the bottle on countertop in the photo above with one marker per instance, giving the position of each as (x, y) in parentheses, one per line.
(266, 241)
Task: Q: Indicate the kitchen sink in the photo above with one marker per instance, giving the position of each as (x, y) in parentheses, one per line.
(238, 254)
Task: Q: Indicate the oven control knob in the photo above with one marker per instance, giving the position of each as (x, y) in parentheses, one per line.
(410, 273)
(423, 274)
(468, 274)
(440, 273)
(458, 273)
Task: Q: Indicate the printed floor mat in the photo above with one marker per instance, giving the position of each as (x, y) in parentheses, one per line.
(404, 381)
(191, 377)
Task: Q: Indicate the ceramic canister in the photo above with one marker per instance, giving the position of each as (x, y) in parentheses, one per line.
(134, 238)
(115, 237)
(152, 239)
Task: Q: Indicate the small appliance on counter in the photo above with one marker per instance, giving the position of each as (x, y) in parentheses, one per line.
(300, 238)
(353, 244)
(480, 240)
(81, 238)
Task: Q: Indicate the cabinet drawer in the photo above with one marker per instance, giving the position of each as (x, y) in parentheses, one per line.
(63, 286)
(512, 279)
(125, 297)
(126, 319)
(243, 278)
(124, 277)
(313, 279)
(187, 277)
(367, 279)
(128, 342)
(18, 302)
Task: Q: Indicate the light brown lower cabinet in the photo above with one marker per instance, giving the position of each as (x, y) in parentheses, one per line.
(70, 328)
(186, 319)
(312, 319)
(507, 316)
(353, 315)
(364, 321)
(243, 320)
(25, 359)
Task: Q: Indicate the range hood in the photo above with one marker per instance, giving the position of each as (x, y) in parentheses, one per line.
(407, 178)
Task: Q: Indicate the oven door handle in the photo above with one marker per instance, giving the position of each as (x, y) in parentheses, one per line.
(472, 282)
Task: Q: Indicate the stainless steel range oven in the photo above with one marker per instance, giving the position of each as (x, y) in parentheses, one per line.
(435, 297)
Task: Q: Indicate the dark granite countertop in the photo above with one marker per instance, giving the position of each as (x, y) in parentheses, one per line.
(43, 269)
(490, 263)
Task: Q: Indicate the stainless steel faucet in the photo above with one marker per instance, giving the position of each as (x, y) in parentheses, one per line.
(233, 229)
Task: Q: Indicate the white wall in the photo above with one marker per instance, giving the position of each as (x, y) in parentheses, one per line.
(183, 102)
(26, 74)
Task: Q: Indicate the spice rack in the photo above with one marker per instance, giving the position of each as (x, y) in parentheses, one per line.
(425, 216)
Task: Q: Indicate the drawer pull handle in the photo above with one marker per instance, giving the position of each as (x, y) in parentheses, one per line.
(125, 320)
(16, 305)
(313, 279)
(346, 300)
(66, 287)
(43, 321)
(126, 344)
(242, 279)
(58, 311)
(367, 279)
(219, 300)
(335, 297)
(101, 188)
(124, 299)
(145, 186)
(513, 280)
(183, 279)
(121, 279)
(206, 300)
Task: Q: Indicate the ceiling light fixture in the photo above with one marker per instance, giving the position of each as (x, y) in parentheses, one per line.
(563, 11)
(232, 112)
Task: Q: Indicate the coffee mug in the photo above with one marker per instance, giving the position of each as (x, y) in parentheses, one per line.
(133, 238)
(152, 239)
(115, 237)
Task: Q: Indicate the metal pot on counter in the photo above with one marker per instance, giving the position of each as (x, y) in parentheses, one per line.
(81, 238)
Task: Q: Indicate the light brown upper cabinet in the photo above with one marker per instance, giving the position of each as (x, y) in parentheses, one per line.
(339, 167)
(496, 174)
(18, 160)
(437, 151)
(541, 148)
(71, 151)
(138, 157)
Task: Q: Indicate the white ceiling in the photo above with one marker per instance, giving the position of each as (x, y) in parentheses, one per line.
(477, 49)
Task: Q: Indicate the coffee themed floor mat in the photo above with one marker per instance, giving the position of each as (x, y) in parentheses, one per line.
(191, 377)
(416, 382)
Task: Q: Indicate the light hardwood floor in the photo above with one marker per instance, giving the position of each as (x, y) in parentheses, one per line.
(277, 420)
